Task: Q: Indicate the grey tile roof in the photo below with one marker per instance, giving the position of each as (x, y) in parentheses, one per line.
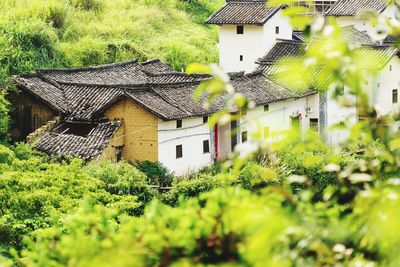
(391, 39)
(349, 33)
(283, 49)
(368, 57)
(353, 7)
(243, 12)
(45, 91)
(86, 147)
(169, 95)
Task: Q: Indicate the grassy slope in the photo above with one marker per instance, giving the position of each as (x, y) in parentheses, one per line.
(46, 33)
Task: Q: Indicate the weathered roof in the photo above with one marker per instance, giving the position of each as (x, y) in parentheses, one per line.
(84, 94)
(354, 7)
(283, 49)
(391, 39)
(45, 91)
(123, 73)
(349, 33)
(86, 147)
(243, 12)
(367, 57)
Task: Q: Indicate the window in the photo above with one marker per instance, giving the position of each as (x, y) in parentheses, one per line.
(266, 132)
(244, 137)
(277, 30)
(314, 124)
(241, 57)
(118, 153)
(179, 124)
(205, 119)
(390, 67)
(234, 138)
(206, 146)
(266, 108)
(240, 29)
(394, 96)
(179, 151)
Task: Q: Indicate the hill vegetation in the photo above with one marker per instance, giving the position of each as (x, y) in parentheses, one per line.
(57, 33)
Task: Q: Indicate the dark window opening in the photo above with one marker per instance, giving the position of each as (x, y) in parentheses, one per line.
(205, 119)
(276, 30)
(314, 124)
(179, 124)
(179, 151)
(118, 153)
(241, 57)
(240, 29)
(234, 136)
(390, 68)
(206, 146)
(266, 108)
(394, 96)
(244, 137)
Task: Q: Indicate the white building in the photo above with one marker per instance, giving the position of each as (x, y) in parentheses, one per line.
(247, 30)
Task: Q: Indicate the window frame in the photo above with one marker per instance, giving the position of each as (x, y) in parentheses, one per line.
(395, 96)
(244, 136)
(179, 124)
(206, 146)
(179, 151)
(239, 29)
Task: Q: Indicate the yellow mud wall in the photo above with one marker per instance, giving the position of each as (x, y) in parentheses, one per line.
(140, 130)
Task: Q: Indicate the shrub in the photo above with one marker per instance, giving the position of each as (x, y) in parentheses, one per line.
(156, 173)
(7, 156)
(87, 4)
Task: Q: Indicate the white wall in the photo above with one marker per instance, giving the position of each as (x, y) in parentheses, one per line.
(191, 137)
(277, 118)
(387, 80)
(255, 42)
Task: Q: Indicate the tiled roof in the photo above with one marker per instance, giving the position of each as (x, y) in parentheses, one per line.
(243, 12)
(79, 95)
(368, 57)
(86, 147)
(45, 91)
(353, 7)
(391, 39)
(283, 49)
(349, 33)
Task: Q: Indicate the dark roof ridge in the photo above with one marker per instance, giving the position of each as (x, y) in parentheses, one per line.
(99, 67)
(149, 61)
(120, 86)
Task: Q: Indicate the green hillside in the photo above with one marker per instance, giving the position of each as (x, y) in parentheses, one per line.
(68, 33)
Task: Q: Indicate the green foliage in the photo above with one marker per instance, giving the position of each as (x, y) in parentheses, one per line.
(156, 173)
(25, 46)
(39, 34)
(4, 120)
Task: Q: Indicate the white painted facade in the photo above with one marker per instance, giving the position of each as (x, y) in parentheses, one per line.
(191, 137)
(239, 52)
(386, 81)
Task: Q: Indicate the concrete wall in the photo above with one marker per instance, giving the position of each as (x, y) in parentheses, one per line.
(253, 44)
(140, 130)
(191, 137)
